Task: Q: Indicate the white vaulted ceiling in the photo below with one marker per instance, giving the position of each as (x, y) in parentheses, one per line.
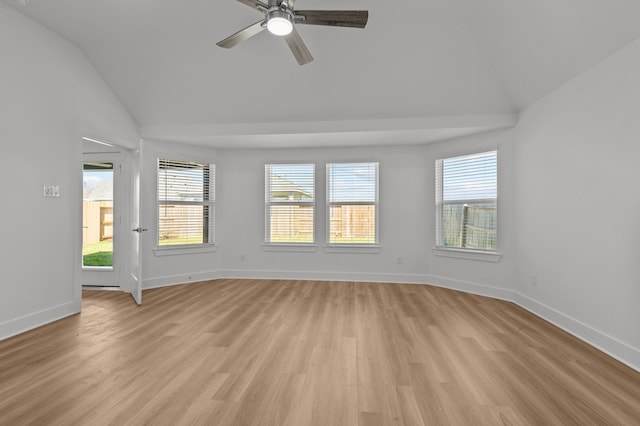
(421, 70)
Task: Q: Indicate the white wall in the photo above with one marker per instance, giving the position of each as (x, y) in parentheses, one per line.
(49, 92)
(182, 268)
(578, 205)
(406, 218)
(242, 195)
(492, 277)
(568, 179)
(52, 95)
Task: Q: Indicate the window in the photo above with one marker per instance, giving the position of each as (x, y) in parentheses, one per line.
(352, 196)
(289, 203)
(466, 202)
(186, 203)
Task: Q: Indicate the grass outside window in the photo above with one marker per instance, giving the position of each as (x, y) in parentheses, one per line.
(98, 254)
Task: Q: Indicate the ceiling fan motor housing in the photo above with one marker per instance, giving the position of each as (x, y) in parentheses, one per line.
(279, 22)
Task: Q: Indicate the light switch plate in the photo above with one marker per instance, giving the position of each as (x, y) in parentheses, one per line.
(51, 191)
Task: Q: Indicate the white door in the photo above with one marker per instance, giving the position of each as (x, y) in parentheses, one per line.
(137, 231)
(102, 235)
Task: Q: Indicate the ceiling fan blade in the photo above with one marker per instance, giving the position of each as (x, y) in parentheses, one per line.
(333, 18)
(242, 35)
(299, 49)
(255, 4)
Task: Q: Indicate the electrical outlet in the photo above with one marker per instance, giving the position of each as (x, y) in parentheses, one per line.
(242, 258)
(534, 280)
(399, 261)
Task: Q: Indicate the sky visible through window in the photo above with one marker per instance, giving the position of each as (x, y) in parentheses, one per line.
(90, 179)
(352, 182)
(470, 177)
(349, 181)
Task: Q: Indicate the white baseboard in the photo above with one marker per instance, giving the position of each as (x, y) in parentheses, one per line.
(324, 276)
(169, 280)
(470, 287)
(613, 347)
(466, 286)
(157, 282)
(37, 319)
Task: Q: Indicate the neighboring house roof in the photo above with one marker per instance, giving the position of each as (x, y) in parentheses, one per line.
(283, 188)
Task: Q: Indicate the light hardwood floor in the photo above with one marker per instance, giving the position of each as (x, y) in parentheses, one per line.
(263, 352)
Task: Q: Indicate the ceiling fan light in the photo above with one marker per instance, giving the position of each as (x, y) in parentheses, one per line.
(279, 23)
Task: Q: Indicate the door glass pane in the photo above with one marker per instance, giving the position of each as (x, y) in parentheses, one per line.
(97, 215)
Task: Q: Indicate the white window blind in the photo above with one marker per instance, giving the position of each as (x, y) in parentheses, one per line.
(289, 203)
(466, 201)
(352, 202)
(186, 203)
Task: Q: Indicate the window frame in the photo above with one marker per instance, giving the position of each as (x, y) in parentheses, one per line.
(268, 203)
(210, 245)
(351, 246)
(483, 254)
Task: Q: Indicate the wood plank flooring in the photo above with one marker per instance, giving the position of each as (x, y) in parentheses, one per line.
(264, 352)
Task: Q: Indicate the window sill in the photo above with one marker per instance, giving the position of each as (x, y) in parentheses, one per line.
(291, 247)
(484, 256)
(178, 250)
(352, 248)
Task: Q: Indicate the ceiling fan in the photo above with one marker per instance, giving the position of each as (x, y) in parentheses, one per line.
(280, 17)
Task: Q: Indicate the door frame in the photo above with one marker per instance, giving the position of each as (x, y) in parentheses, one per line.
(127, 150)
